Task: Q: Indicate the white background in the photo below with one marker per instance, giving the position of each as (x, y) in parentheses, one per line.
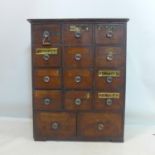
(15, 60)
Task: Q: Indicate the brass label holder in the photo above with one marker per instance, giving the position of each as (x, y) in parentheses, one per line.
(108, 73)
(78, 27)
(107, 27)
(50, 51)
(106, 95)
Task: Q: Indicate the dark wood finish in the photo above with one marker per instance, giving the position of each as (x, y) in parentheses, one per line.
(51, 61)
(54, 78)
(78, 57)
(70, 78)
(110, 57)
(101, 34)
(101, 103)
(37, 32)
(53, 98)
(84, 39)
(66, 125)
(70, 96)
(117, 82)
(99, 125)
(84, 98)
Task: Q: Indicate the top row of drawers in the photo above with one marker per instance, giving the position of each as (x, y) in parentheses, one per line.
(83, 34)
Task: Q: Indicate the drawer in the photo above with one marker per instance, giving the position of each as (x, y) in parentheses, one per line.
(47, 57)
(46, 34)
(109, 79)
(78, 57)
(78, 78)
(47, 78)
(109, 100)
(109, 33)
(56, 125)
(47, 100)
(77, 33)
(99, 125)
(109, 57)
(78, 100)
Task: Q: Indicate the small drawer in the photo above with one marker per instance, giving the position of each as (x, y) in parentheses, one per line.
(109, 100)
(47, 57)
(46, 35)
(99, 125)
(55, 125)
(109, 57)
(77, 33)
(47, 100)
(78, 57)
(109, 33)
(109, 79)
(78, 100)
(47, 78)
(78, 78)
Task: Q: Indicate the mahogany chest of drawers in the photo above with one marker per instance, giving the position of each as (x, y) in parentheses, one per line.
(78, 79)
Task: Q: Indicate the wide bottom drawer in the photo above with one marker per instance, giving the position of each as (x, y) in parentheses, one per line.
(55, 125)
(93, 125)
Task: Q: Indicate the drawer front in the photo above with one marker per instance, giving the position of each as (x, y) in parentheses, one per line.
(78, 78)
(46, 34)
(109, 79)
(47, 57)
(109, 33)
(78, 100)
(99, 125)
(56, 125)
(77, 33)
(47, 100)
(109, 57)
(78, 57)
(47, 78)
(109, 100)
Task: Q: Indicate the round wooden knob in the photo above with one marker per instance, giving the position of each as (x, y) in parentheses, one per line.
(77, 34)
(109, 57)
(77, 101)
(46, 57)
(109, 34)
(46, 79)
(109, 79)
(77, 56)
(46, 101)
(100, 126)
(109, 101)
(77, 79)
(55, 125)
(46, 34)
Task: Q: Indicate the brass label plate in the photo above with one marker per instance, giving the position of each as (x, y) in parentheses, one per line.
(50, 51)
(107, 27)
(108, 95)
(106, 73)
(78, 27)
